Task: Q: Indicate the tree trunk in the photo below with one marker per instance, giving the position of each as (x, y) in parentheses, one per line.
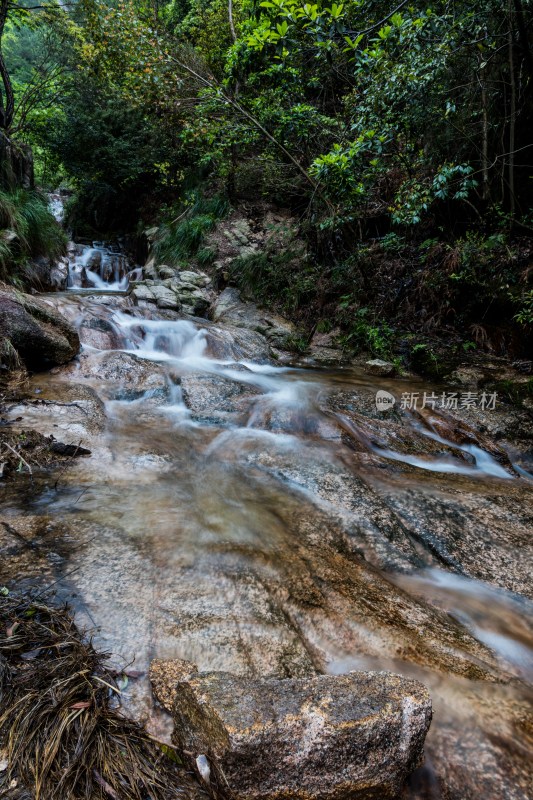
(485, 135)
(512, 118)
(524, 39)
(7, 99)
(231, 24)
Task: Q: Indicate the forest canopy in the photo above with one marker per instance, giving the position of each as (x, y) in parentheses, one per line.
(407, 123)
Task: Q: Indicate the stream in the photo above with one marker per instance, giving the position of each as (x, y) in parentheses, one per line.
(263, 517)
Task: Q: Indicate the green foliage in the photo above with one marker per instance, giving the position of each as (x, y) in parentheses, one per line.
(376, 114)
(179, 240)
(415, 197)
(27, 229)
(479, 260)
(296, 343)
(428, 359)
(112, 153)
(392, 243)
(280, 279)
(388, 140)
(206, 256)
(182, 237)
(365, 332)
(525, 315)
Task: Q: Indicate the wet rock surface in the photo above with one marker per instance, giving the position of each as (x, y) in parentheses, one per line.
(351, 736)
(124, 376)
(216, 399)
(170, 288)
(274, 523)
(41, 337)
(377, 366)
(230, 309)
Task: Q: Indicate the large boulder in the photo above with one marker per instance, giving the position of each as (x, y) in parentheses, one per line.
(37, 332)
(199, 279)
(315, 738)
(143, 293)
(120, 376)
(230, 309)
(47, 275)
(194, 301)
(218, 400)
(165, 297)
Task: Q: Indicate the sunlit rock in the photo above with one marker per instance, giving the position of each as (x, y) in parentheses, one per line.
(165, 677)
(319, 738)
(59, 274)
(166, 272)
(195, 278)
(142, 292)
(165, 297)
(194, 300)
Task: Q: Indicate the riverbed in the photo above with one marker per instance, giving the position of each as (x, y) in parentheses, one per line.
(260, 516)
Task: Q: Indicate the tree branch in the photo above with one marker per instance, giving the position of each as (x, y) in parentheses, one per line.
(382, 21)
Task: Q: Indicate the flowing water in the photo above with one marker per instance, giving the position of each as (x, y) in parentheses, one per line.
(267, 519)
(99, 266)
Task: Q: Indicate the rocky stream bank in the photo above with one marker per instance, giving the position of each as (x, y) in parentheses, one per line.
(299, 575)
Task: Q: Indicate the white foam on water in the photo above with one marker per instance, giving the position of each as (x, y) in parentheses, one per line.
(163, 340)
(484, 463)
(495, 617)
(182, 344)
(99, 283)
(57, 207)
(236, 437)
(104, 269)
(267, 369)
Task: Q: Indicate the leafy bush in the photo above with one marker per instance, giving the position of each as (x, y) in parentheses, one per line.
(365, 332)
(280, 279)
(27, 230)
(182, 237)
(525, 315)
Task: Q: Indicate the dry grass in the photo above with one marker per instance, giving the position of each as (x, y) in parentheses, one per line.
(26, 451)
(58, 731)
(13, 374)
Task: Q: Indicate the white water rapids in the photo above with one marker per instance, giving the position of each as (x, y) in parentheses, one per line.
(264, 518)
